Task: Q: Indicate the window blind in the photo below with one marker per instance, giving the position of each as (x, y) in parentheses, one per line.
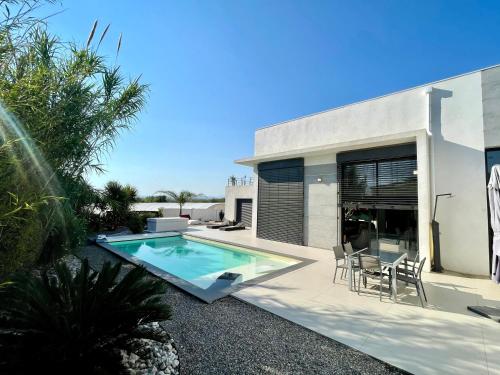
(389, 183)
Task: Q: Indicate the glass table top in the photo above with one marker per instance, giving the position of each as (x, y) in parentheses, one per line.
(386, 257)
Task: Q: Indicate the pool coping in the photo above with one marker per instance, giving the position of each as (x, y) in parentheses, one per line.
(208, 295)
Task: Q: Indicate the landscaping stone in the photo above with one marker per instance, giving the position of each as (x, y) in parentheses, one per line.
(73, 262)
(146, 356)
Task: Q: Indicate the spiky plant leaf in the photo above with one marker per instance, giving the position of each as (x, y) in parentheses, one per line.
(64, 322)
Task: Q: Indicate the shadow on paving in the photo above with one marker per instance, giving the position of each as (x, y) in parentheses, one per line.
(232, 337)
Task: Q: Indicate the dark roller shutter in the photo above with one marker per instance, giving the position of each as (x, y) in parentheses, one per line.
(244, 211)
(280, 210)
(388, 182)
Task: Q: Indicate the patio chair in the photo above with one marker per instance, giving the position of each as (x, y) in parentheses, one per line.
(403, 268)
(238, 226)
(370, 267)
(348, 248)
(341, 262)
(415, 277)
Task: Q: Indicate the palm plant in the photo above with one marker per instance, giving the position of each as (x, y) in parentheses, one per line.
(62, 108)
(183, 197)
(117, 199)
(64, 323)
(131, 193)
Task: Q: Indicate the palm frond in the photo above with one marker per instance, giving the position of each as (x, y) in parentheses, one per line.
(59, 319)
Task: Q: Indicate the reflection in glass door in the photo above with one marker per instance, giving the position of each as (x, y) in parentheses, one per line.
(396, 230)
(382, 228)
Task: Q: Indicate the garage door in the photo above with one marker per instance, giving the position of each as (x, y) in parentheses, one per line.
(280, 209)
(244, 211)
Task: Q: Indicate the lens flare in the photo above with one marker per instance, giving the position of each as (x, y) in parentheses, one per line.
(37, 171)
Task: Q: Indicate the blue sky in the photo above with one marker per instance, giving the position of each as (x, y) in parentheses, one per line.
(220, 69)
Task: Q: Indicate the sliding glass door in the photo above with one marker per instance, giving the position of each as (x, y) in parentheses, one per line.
(378, 197)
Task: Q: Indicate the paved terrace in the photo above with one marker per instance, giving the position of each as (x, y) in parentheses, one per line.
(443, 338)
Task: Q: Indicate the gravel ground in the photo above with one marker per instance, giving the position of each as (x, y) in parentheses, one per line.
(232, 337)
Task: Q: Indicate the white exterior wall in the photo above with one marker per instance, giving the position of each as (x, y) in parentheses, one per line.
(233, 193)
(458, 162)
(424, 197)
(170, 212)
(399, 113)
(207, 214)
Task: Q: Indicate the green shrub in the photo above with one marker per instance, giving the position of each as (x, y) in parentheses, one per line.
(21, 245)
(117, 199)
(66, 235)
(65, 324)
(94, 222)
(147, 215)
(135, 223)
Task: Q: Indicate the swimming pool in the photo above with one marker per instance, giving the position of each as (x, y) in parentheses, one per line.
(201, 266)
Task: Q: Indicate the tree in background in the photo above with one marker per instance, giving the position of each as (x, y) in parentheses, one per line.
(61, 109)
(183, 197)
(116, 202)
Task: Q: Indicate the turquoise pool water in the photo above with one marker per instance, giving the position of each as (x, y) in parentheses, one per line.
(201, 262)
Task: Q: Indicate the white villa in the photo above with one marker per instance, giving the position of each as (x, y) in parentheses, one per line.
(369, 172)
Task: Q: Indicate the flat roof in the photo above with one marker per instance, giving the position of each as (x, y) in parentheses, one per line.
(368, 142)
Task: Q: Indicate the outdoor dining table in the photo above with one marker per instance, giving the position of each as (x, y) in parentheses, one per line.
(389, 259)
